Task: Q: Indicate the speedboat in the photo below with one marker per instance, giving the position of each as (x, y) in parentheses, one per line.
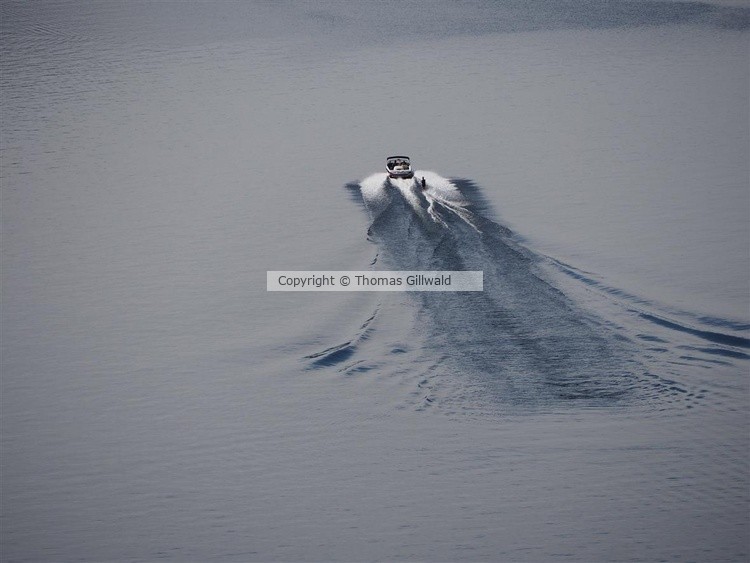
(399, 167)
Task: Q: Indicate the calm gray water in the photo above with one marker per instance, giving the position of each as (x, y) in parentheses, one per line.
(590, 405)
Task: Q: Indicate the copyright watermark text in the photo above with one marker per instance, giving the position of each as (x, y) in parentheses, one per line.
(374, 281)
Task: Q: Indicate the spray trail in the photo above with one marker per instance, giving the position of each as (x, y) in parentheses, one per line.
(522, 341)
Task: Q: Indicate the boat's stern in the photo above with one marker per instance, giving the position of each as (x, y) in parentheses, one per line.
(399, 167)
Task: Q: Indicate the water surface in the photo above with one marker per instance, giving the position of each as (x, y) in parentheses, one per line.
(159, 158)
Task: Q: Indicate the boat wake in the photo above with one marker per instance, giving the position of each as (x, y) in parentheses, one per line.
(526, 341)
